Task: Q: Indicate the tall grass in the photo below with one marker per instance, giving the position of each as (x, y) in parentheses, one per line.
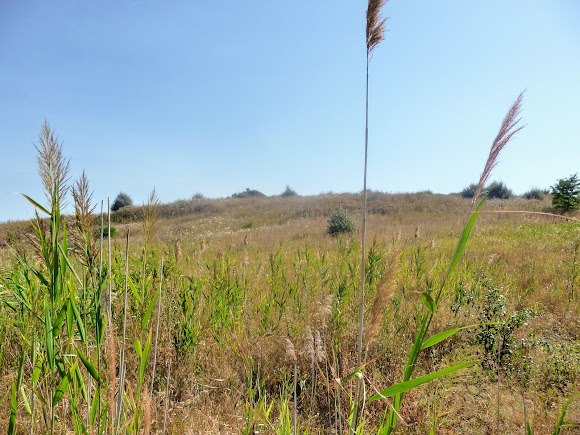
(375, 30)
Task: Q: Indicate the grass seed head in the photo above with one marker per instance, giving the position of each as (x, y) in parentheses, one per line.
(53, 168)
(290, 353)
(375, 24)
(509, 127)
(309, 349)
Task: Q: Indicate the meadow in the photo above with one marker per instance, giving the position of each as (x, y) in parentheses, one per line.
(229, 315)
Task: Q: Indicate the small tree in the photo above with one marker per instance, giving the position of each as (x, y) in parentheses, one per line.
(288, 192)
(566, 194)
(122, 200)
(340, 221)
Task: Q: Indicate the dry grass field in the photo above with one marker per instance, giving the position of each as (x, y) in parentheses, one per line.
(250, 287)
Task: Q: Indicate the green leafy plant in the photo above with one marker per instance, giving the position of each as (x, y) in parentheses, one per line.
(340, 221)
(566, 194)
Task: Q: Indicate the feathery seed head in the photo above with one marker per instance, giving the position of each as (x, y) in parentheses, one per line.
(509, 127)
(290, 353)
(309, 349)
(375, 24)
(320, 354)
(53, 168)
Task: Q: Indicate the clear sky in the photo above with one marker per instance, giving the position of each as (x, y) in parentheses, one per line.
(218, 96)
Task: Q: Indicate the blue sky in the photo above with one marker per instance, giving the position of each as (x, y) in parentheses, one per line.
(215, 97)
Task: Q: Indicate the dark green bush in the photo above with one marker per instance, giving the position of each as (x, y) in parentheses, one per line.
(249, 225)
(105, 232)
(340, 221)
(535, 194)
(248, 193)
(566, 194)
(288, 192)
(498, 190)
(469, 191)
(122, 200)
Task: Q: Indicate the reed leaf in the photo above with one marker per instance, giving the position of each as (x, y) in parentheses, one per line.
(63, 386)
(437, 338)
(409, 385)
(90, 368)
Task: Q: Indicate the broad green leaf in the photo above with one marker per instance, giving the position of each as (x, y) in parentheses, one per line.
(48, 337)
(13, 411)
(79, 320)
(529, 428)
(134, 290)
(37, 370)
(90, 368)
(408, 385)
(63, 386)
(36, 204)
(94, 407)
(138, 348)
(68, 263)
(144, 359)
(443, 335)
(428, 302)
(463, 239)
(59, 320)
(81, 383)
(69, 317)
(60, 365)
(560, 422)
(147, 314)
(25, 399)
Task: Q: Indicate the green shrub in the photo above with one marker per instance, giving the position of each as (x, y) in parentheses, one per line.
(469, 191)
(249, 225)
(535, 194)
(122, 200)
(248, 193)
(288, 192)
(566, 194)
(198, 195)
(340, 221)
(105, 232)
(498, 190)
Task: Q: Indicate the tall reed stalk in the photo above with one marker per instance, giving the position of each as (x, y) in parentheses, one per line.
(375, 33)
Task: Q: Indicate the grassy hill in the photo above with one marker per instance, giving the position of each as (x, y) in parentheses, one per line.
(244, 277)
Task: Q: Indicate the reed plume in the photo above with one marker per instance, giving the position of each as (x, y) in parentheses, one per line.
(53, 168)
(385, 290)
(309, 349)
(290, 352)
(150, 216)
(375, 24)
(509, 127)
(319, 347)
(84, 241)
(111, 372)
